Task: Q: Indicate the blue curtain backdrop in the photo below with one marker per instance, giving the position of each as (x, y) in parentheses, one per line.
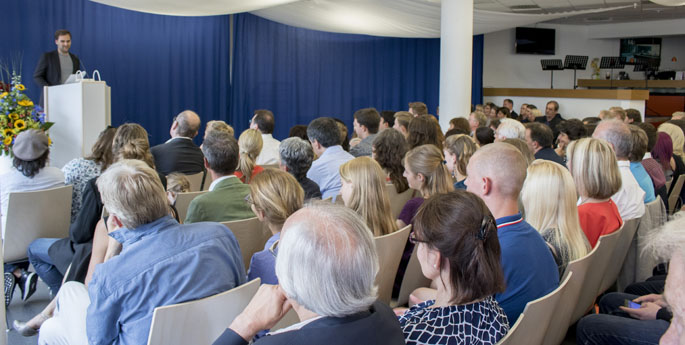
(302, 74)
(156, 65)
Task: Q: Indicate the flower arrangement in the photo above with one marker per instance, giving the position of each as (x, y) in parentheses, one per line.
(17, 114)
(595, 68)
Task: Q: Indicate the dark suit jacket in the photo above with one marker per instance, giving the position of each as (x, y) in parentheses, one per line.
(552, 124)
(178, 155)
(48, 71)
(379, 325)
(548, 154)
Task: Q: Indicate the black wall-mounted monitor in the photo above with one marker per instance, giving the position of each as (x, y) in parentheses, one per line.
(639, 50)
(535, 41)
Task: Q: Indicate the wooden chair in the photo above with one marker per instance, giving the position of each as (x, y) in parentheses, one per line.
(251, 236)
(33, 215)
(397, 200)
(196, 181)
(532, 324)
(619, 254)
(201, 321)
(675, 194)
(413, 279)
(389, 248)
(183, 201)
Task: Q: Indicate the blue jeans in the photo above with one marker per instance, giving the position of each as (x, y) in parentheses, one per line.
(39, 258)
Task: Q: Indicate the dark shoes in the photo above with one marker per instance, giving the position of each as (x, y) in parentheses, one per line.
(27, 285)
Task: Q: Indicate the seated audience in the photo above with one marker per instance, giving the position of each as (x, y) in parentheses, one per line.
(593, 165)
(458, 150)
(263, 121)
(402, 119)
(417, 109)
(484, 136)
(616, 113)
(461, 124)
(218, 125)
(552, 117)
(556, 221)
(523, 109)
(366, 122)
(189, 261)
(458, 247)
(341, 308)
(677, 163)
(274, 196)
(176, 183)
(389, 149)
(300, 131)
(540, 139)
(651, 165)
(324, 135)
(424, 130)
(509, 104)
(511, 129)
(569, 130)
(496, 173)
(342, 128)
(250, 145)
(387, 120)
(296, 158)
(476, 119)
(662, 152)
(493, 124)
(631, 198)
(79, 171)
(639, 142)
(522, 146)
(363, 190)
(29, 172)
(503, 113)
(225, 200)
(532, 113)
(180, 154)
(486, 108)
(633, 116)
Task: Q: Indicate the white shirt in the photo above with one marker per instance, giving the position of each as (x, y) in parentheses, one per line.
(630, 198)
(269, 154)
(219, 179)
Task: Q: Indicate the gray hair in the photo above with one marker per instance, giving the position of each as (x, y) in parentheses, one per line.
(663, 244)
(327, 260)
(325, 131)
(132, 191)
(297, 155)
(511, 129)
(617, 134)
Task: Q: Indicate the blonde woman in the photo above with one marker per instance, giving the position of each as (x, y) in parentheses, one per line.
(363, 190)
(274, 196)
(250, 143)
(458, 150)
(218, 125)
(558, 221)
(594, 168)
(176, 183)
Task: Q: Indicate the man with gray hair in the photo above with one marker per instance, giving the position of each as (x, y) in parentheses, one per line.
(159, 262)
(630, 199)
(180, 154)
(510, 129)
(330, 245)
(296, 158)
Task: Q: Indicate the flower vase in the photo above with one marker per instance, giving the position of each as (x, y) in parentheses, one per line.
(5, 164)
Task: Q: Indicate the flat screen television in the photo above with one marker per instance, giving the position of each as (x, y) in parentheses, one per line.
(636, 49)
(535, 41)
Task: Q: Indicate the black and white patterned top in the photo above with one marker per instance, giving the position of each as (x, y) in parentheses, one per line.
(77, 173)
(482, 322)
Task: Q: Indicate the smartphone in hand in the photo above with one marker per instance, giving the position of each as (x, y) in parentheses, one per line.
(630, 304)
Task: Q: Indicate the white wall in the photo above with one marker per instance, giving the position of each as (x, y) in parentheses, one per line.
(503, 68)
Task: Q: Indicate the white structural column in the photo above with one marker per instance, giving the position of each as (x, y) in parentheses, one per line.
(456, 49)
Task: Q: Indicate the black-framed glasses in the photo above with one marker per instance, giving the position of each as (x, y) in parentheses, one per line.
(414, 240)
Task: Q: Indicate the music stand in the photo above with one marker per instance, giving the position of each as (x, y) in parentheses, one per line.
(612, 62)
(575, 62)
(551, 65)
(646, 65)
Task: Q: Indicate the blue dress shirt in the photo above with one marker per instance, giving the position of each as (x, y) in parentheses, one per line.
(643, 180)
(263, 263)
(161, 263)
(325, 171)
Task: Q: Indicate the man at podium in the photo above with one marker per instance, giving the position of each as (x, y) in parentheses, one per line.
(56, 66)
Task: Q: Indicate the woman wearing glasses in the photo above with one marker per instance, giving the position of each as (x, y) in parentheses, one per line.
(274, 196)
(458, 248)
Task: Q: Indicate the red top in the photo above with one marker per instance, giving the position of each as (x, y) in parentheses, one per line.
(257, 169)
(599, 218)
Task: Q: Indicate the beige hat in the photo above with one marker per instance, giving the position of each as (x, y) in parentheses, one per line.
(30, 145)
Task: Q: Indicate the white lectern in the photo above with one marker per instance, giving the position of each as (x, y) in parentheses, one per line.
(80, 112)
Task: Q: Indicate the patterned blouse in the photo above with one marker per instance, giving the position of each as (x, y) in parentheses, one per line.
(77, 173)
(482, 322)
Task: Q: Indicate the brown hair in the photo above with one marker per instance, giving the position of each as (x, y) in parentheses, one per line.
(389, 148)
(62, 32)
(463, 147)
(137, 149)
(460, 226)
(102, 149)
(423, 130)
(461, 123)
(419, 108)
(125, 135)
(428, 161)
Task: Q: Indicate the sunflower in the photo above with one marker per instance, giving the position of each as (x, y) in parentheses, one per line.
(20, 87)
(19, 125)
(14, 116)
(3, 95)
(25, 103)
(7, 141)
(8, 132)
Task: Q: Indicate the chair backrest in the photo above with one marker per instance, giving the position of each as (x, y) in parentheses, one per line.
(675, 194)
(556, 331)
(619, 253)
(532, 324)
(412, 280)
(598, 267)
(389, 248)
(397, 200)
(251, 236)
(655, 217)
(196, 181)
(201, 321)
(183, 201)
(35, 214)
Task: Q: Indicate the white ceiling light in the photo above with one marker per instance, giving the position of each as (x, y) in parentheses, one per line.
(669, 2)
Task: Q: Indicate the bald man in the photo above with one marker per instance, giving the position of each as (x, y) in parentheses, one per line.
(496, 173)
(180, 154)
